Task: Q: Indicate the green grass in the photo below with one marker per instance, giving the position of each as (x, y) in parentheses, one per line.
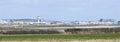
(59, 36)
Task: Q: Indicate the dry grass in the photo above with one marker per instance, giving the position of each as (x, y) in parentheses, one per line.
(70, 40)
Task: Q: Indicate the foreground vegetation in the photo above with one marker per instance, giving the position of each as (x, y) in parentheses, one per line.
(60, 36)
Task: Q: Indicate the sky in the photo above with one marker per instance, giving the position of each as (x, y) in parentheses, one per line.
(62, 10)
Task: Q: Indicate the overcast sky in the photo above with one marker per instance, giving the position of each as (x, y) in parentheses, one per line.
(82, 10)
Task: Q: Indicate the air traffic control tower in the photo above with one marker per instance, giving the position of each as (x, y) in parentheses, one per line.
(38, 19)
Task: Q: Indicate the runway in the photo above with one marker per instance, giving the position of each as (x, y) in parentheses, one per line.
(72, 27)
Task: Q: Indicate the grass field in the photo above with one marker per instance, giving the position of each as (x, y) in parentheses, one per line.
(59, 36)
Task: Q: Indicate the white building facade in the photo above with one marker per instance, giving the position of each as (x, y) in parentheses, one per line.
(3, 22)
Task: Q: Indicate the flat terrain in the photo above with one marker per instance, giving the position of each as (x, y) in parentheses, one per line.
(91, 40)
(60, 38)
